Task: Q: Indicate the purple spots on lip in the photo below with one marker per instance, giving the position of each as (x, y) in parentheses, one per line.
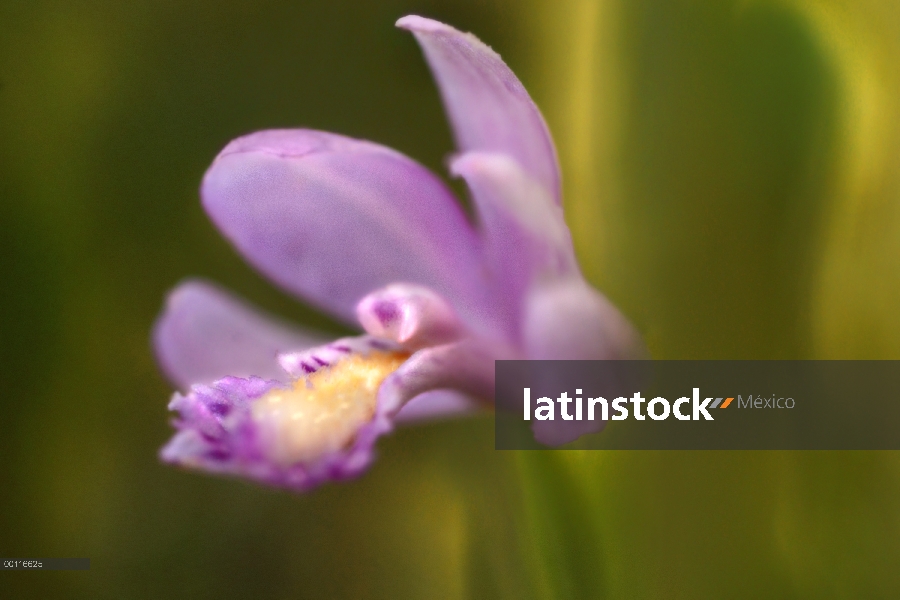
(386, 312)
(218, 454)
(302, 364)
(379, 345)
(211, 439)
(219, 409)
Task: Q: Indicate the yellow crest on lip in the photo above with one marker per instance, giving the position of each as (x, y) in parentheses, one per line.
(322, 412)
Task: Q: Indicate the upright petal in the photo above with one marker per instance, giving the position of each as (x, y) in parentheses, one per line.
(331, 218)
(204, 334)
(526, 238)
(487, 105)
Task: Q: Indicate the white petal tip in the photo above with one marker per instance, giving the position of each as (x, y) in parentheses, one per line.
(416, 23)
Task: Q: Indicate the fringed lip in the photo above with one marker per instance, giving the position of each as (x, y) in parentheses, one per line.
(220, 429)
(219, 433)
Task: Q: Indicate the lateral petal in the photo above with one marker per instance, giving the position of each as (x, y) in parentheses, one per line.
(205, 333)
(332, 218)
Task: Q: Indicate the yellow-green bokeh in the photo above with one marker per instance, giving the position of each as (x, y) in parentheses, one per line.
(734, 183)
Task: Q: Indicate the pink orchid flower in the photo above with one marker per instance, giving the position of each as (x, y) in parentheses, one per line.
(373, 238)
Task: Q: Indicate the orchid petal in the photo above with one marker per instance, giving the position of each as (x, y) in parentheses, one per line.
(569, 320)
(205, 333)
(487, 105)
(331, 218)
(412, 316)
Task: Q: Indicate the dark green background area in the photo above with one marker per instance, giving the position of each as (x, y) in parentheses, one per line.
(733, 138)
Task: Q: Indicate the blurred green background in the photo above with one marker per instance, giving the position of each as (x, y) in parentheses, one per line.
(732, 178)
